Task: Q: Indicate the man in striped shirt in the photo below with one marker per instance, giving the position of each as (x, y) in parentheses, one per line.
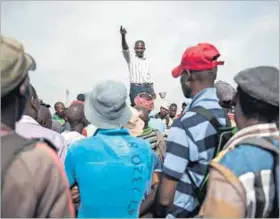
(192, 139)
(139, 68)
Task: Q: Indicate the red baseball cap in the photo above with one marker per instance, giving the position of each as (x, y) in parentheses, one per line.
(200, 57)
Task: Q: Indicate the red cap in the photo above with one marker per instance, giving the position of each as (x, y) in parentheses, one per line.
(200, 57)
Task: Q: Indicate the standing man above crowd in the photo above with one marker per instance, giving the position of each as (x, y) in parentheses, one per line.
(192, 138)
(140, 77)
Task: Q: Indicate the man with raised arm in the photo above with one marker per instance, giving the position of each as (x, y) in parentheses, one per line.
(139, 68)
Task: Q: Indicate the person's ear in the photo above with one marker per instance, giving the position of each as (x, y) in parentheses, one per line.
(44, 123)
(24, 88)
(189, 77)
(34, 103)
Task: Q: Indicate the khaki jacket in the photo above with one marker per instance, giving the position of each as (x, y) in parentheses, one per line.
(36, 186)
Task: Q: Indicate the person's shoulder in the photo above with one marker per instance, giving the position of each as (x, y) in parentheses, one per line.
(245, 159)
(55, 137)
(141, 143)
(39, 158)
(83, 143)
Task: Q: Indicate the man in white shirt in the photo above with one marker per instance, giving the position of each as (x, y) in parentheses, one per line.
(140, 77)
(29, 127)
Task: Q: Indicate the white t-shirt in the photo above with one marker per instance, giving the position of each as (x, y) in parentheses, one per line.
(72, 136)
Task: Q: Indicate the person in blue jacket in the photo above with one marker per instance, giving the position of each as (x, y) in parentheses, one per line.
(112, 169)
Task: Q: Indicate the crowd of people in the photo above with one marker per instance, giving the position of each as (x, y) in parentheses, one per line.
(99, 157)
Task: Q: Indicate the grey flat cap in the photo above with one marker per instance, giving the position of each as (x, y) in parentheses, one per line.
(261, 82)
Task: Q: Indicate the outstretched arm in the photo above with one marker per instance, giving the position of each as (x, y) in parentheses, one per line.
(124, 43)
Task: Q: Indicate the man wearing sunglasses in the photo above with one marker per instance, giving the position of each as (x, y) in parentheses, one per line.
(192, 138)
(139, 68)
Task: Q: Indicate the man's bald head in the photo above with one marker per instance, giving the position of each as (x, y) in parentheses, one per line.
(44, 117)
(75, 114)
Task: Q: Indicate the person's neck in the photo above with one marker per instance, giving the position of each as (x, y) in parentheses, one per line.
(8, 119)
(58, 115)
(251, 122)
(77, 128)
(197, 89)
(30, 113)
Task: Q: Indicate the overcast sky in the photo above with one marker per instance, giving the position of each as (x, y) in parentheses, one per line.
(77, 44)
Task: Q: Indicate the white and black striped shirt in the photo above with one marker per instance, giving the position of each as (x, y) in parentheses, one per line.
(139, 68)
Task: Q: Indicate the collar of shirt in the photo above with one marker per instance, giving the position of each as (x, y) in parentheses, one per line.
(263, 130)
(28, 119)
(143, 58)
(5, 129)
(208, 93)
(121, 131)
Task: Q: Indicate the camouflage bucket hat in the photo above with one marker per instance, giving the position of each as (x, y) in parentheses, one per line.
(14, 64)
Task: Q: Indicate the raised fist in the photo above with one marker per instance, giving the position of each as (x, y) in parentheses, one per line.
(123, 31)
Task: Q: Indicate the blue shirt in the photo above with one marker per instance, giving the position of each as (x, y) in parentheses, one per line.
(190, 146)
(112, 170)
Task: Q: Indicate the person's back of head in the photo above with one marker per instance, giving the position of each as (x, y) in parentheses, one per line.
(76, 116)
(257, 99)
(81, 97)
(198, 68)
(226, 94)
(44, 117)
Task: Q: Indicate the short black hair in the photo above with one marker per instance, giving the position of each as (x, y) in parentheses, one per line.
(140, 42)
(184, 104)
(55, 105)
(253, 108)
(173, 104)
(81, 97)
(45, 105)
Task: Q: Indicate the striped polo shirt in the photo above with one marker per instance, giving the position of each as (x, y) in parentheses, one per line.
(190, 145)
(139, 68)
